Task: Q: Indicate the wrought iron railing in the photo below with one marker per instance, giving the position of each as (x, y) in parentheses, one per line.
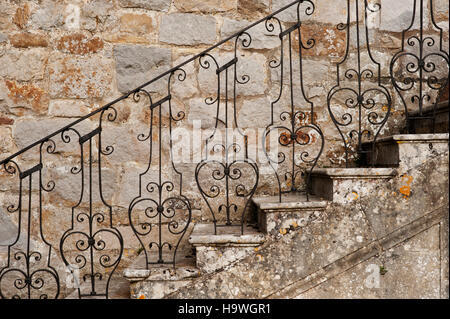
(226, 176)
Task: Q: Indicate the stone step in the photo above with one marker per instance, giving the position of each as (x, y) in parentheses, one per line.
(407, 150)
(156, 281)
(216, 251)
(424, 125)
(276, 218)
(119, 288)
(344, 185)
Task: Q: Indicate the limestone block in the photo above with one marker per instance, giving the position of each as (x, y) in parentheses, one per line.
(253, 6)
(188, 87)
(254, 113)
(97, 8)
(251, 67)
(77, 77)
(136, 65)
(78, 43)
(396, 15)
(157, 5)
(27, 40)
(67, 108)
(330, 12)
(26, 95)
(187, 29)
(48, 16)
(24, 65)
(205, 5)
(261, 38)
(136, 23)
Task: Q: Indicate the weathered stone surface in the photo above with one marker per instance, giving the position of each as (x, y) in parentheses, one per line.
(158, 5)
(77, 77)
(78, 43)
(277, 218)
(4, 120)
(6, 141)
(136, 65)
(205, 5)
(48, 16)
(188, 87)
(67, 108)
(27, 95)
(26, 40)
(21, 16)
(327, 41)
(24, 65)
(98, 9)
(136, 23)
(253, 6)
(187, 29)
(200, 111)
(3, 37)
(416, 260)
(261, 38)
(254, 113)
(251, 72)
(396, 15)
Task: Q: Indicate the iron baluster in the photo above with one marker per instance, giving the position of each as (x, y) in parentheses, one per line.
(421, 81)
(291, 133)
(358, 99)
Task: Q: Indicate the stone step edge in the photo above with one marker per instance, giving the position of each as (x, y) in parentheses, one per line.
(160, 273)
(412, 138)
(265, 204)
(202, 235)
(355, 173)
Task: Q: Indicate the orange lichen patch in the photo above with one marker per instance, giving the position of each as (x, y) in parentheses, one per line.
(28, 94)
(261, 258)
(21, 16)
(406, 189)
(27, 40)
(5, 120)
(79, 44)
(283, 231)
(141, 297)
(294, 224)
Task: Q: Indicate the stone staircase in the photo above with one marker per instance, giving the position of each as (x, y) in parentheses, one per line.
(391, 219)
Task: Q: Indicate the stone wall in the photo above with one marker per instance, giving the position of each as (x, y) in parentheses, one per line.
(61, 60)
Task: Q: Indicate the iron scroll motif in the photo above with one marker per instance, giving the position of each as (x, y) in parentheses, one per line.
(367, 103)
(29, 272)
(83, 246)
(296, 129)
(231, 171)
(418, 59)
(160, 204)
